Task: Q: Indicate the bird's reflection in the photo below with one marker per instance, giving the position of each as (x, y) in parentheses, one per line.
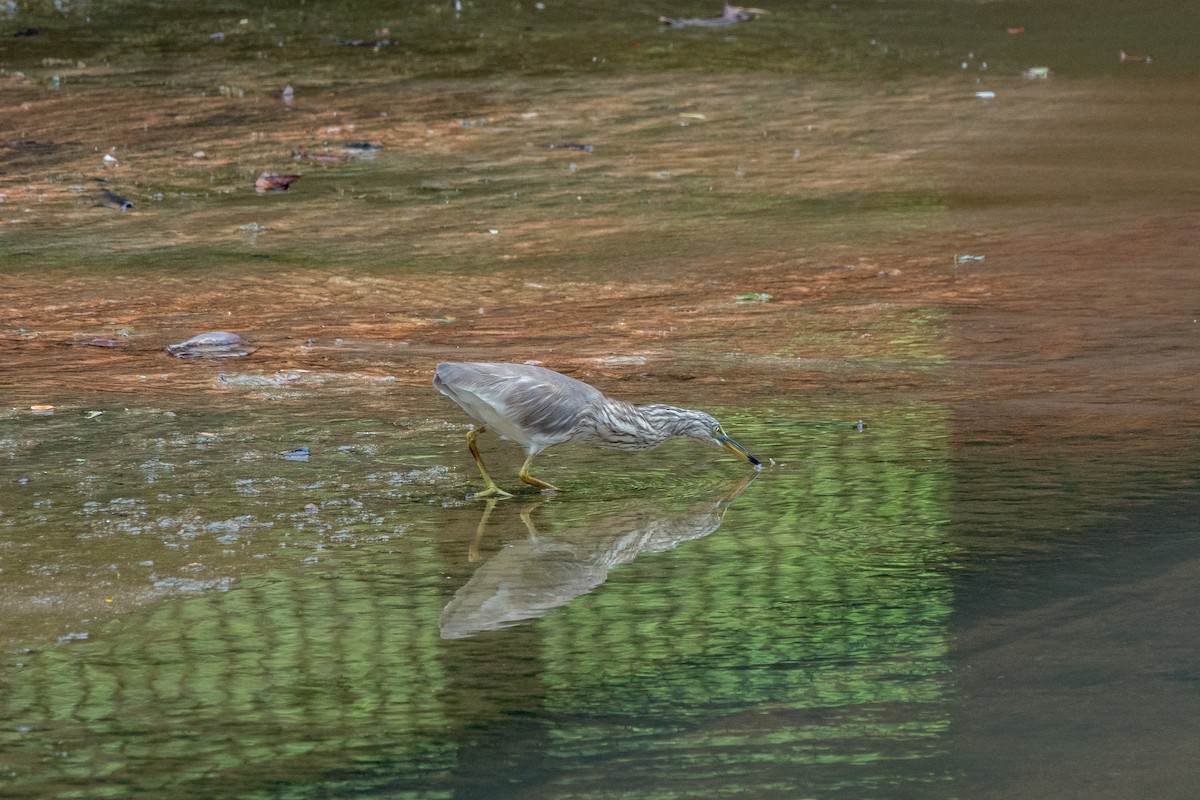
(527, 578)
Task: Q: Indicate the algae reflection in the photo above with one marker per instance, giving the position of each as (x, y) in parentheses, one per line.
(529, 578)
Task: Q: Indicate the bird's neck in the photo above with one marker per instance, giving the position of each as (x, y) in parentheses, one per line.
(668, 420)
(625, 426)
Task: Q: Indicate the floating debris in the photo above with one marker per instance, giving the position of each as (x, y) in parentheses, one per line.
(753, 297)
(34, 146)
(377, 43)
(1138, 59)
(1014, 31)
(621, 361)
(968, 258)
(1037, 73)
(192, 585)
(298, 454)
(731, 15)
(99, 341)
(44, 409)
(270, 182)
(214, 344)
(294, 377)
(575, 146)
(321, 158)
(288, 94)
(350, 150)
(253, 227)
(109, 199)
(985, 95)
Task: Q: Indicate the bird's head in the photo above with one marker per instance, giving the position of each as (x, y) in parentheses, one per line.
(718, 436)
(698, 425)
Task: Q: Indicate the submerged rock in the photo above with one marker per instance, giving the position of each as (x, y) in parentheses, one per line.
(113, 200)
(730, 16)
(299, 454)
(214, 344)
(270, 182)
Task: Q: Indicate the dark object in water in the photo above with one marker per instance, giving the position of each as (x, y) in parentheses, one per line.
(731, 15)
(28, 32)
(214, 344)
(351, 150)
(33, 146)
(112, 200)
(1123, 57)
(299, 454)
(583, 148)
(321, 158)
(364, 42)
(270, 182)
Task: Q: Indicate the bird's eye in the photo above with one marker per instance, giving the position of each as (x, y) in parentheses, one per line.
(717, 431)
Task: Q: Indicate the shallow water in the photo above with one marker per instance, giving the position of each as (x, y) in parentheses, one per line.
(797, 224)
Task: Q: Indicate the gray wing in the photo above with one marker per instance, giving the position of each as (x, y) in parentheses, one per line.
(544, 404)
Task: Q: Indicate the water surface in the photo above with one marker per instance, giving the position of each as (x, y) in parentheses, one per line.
(798, 224)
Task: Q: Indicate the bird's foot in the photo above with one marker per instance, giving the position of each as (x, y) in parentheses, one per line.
(490, 491)
(539, 483)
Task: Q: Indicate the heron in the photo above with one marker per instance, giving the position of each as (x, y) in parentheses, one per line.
(538, 408)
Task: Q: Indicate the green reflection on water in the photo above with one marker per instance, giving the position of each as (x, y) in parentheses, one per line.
(807, 632)
(274, 671)
(806, 620)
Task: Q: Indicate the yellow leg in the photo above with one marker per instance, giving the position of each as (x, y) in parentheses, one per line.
(532, 481)
(490, 488)
(527, 517)
(473, 548)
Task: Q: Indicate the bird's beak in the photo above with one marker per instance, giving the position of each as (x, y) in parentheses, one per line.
(734, 447)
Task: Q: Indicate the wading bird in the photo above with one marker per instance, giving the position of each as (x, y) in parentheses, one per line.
(539, 408)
